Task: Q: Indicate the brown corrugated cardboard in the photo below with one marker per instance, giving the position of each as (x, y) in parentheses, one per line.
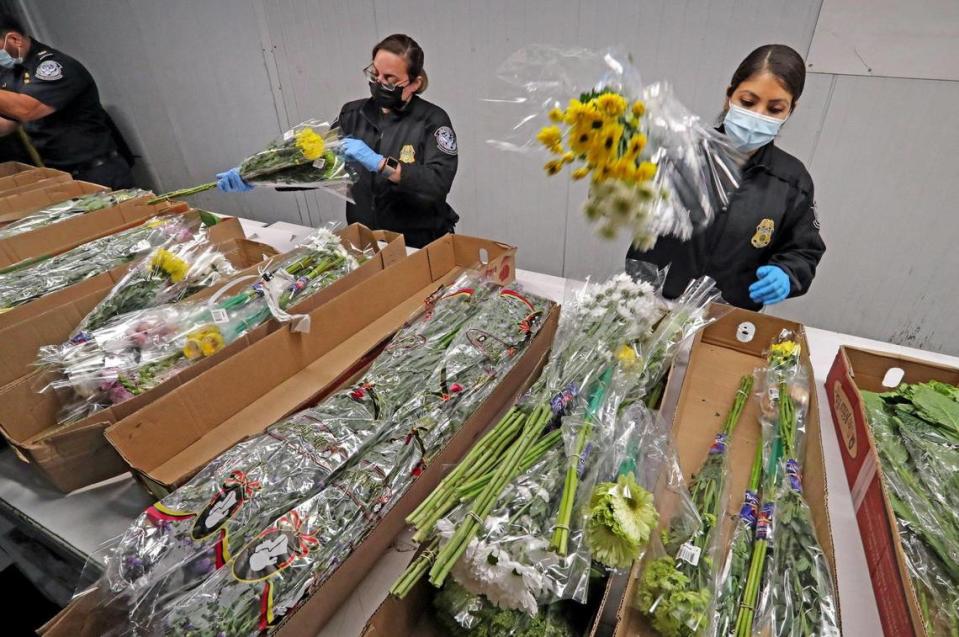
(31, 179)
(718, 359)
(292, 369)
(14, 207)
(8, 168)
(51, 318)
(77, 455)
(69, 233)
(852, 370)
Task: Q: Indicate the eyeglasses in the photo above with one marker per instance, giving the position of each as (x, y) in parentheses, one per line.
(374, 76)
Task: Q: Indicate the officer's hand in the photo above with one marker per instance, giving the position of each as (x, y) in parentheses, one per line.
(772, 287)
(230, 181)
(356, 150)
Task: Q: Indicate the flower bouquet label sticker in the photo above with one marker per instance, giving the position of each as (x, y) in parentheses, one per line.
(221, 508)
(273, 550)
(689, 553)
(219, 315)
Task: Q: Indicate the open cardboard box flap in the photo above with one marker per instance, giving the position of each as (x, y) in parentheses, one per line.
(854, 370)
(729, 348)
(31, 179)
(291, 368)
(18, 206)
(28, 419)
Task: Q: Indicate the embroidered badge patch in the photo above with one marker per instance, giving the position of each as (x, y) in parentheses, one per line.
(49, 70)
(764, 233)
(446, 140)
(408, 154)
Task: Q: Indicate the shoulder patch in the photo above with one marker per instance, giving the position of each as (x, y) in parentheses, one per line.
(49, 70)
(446, 140)
(815, 216)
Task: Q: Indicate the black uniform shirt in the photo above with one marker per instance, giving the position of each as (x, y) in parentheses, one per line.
(771, 219)
(422, 138)
(77, 132)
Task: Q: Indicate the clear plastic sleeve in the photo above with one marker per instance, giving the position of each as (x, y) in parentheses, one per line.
(137, 351)
(655, 168)
(33, 278)
(69, 209)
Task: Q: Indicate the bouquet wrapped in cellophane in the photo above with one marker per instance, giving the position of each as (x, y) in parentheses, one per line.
(70, 208)
(321, 479)
(516, 521)
(34, 278)
(655, 168)
(166, 275)
(306, 156)
(916, 433)
(134, 352)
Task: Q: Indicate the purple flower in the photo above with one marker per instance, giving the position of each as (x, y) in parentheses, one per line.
(118, 393)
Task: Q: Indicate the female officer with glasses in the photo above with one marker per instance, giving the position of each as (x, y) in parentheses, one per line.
(405, 147)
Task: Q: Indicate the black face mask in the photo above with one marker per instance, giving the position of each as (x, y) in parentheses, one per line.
(387, 98)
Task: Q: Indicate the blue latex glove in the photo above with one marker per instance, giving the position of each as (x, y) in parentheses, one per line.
(356, 150)
(230, 181)
(772, 287)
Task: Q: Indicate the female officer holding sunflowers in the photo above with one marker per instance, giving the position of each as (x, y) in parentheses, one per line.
(765, 246)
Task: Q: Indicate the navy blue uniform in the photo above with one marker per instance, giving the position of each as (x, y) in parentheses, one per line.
(771, 219)
(76, 137)
(421, 137)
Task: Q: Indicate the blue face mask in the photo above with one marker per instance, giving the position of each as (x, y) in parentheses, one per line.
(748, 130)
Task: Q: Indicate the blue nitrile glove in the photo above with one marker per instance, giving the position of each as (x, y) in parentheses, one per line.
(772, 287)
(357, 150)
(230, 181)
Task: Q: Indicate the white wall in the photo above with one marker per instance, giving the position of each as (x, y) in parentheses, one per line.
(200, 85)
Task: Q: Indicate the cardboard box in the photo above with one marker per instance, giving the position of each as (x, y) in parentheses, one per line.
(51, 318)
(852, 370)
(30, 179)
(77, 455)
(69, 233)
(720, 356)
(16, 207)
(8, 168)
(293, 370)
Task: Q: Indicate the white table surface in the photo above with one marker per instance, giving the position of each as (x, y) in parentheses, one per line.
(81, 522)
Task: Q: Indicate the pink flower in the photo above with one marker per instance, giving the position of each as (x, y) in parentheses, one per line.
(119, 393)
(456, 388)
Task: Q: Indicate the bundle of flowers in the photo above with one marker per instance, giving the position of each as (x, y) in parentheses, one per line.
(69, 209)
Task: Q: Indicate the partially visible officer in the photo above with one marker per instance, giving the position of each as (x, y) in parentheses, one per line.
(404, 145)
(56, 100)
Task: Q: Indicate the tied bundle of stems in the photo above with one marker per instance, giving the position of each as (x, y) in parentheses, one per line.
(737, 563)
(306, 155)
(681, 608)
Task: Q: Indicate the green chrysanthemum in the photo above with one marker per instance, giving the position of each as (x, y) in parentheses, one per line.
(663, 596)
(621, 519)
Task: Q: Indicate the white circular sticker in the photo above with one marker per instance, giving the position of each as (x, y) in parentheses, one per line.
(745, 332)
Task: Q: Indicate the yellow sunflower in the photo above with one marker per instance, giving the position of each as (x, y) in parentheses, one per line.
(611, 105)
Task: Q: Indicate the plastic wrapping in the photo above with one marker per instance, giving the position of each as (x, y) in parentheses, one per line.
(914, 429)
(797, 597)
(308, 156)
(276, 570)
(166, 275)
(465, 614)
(655, 168)
(70, 208)
(33, 278)
(137, 351)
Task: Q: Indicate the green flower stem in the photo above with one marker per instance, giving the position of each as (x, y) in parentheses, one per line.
(414, 572)
(183, 192)
(560, 539)
(506, 471)
(471, 489)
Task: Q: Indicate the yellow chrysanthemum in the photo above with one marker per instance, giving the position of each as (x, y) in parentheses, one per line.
(578, 114)
(211, 342)
(580, 139)
(557, 115)
(785, 349)
(639, 108)
(611, 105)
(602, 172)
(192, 349)
(636, 145)
(550, 137)
(609, 137)
(568, 157)
(553, 166)
(646, 171)
(174, 267)
(627, 357)
(310, 144)
(580, 172)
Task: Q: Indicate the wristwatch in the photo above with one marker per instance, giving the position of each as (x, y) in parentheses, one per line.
(390, 166)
